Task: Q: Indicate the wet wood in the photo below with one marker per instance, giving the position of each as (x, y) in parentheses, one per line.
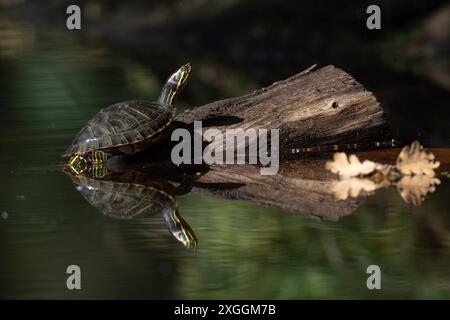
(390, 155)
(312, 108)
(301, 186)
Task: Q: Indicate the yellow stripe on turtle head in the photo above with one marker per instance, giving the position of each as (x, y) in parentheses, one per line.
(175, 84)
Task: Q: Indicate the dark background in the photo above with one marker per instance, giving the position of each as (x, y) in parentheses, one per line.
(237, 46)
(53, 80)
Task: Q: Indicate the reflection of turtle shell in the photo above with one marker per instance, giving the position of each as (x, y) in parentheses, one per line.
(124, 200)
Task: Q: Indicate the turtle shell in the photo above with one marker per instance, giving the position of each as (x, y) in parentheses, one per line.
(124, 200)
(121, 124)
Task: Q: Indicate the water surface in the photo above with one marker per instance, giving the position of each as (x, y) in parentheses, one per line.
(51, 84)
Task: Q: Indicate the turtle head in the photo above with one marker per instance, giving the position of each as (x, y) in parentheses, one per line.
(175, 84)
(180, 229)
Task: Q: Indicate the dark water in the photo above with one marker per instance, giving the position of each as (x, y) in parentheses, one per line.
(50, 85)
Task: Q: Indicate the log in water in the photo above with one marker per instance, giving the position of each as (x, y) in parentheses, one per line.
(322, 107)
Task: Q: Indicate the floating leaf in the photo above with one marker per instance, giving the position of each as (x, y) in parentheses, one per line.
(413, 174)
(414, 160)
(349, 167)
(414, 188)
(352, 187)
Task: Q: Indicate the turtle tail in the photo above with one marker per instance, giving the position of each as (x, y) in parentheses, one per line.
(174, 85)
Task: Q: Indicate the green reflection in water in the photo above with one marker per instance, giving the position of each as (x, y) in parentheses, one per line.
(246, 250)
(280, 255)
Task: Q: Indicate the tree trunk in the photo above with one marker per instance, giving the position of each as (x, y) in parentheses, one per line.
(313, 108)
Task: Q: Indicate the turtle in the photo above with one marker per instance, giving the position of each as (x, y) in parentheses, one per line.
(128, 200)
(124, 128)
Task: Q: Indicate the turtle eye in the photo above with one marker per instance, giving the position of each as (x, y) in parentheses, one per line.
(180, 236)
(176, 76)
(175, 80)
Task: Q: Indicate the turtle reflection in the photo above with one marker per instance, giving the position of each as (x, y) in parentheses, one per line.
(129, 200)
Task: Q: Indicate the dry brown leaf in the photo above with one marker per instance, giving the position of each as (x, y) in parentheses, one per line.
(349, 167)
(414, 160)
(352, 187)
(414, 188)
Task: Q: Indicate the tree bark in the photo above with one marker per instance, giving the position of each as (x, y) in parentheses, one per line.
(312, 108)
